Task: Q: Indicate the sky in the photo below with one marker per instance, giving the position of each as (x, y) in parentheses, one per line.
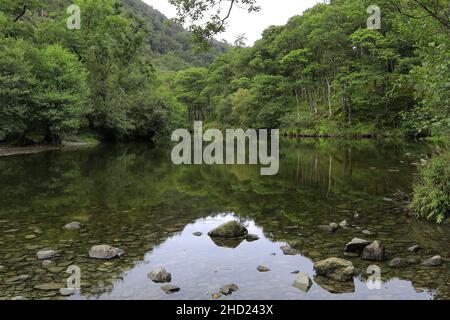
(273, 12)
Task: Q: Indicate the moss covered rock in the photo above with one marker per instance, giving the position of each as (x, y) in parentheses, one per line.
(228, 230)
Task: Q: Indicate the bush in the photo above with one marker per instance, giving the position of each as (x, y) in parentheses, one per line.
(431, 196)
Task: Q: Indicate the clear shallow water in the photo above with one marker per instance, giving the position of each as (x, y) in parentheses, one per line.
(132, 197)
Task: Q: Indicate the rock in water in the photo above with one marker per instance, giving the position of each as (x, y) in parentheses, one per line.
(66, 291)
(73, 226)
(198, 234)
(251, 237)
(230, 229)
(262, 269)
(356, 245)
(398, 263)
(47, 254)
(375, 251)
(302, 282)
(414, 248)
(105, 252)
(432, 262)
(170, 288)
(288, 251)
(160, 275)
(49, 286)
(228, 289)
(335, 269)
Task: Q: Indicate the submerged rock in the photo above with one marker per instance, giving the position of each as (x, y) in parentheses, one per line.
(288, 251)
(375, 251)
(227, 242)
(303, 282)
(52, 286)
(251, 237)
(433, 262)
(356, 245)
(336, 269)
(262, 269)
(230, 229)
(335, 287)
(160, 275)
(414, 248)
(47, 254)
(105, 252)
(398, 263)
(228, 289)
(170, 288)
(73, 226)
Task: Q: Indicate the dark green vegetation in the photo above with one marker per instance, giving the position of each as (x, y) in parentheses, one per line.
(325, 73)
(129, 196)
(102, 78)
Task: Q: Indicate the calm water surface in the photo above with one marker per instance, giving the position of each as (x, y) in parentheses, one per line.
(132, 197)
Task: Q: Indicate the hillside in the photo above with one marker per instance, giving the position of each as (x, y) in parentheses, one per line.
(170, 43)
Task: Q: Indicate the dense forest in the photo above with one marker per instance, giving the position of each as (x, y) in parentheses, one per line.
(130, 73)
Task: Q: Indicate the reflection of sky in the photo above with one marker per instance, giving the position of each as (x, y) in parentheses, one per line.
(200, 268)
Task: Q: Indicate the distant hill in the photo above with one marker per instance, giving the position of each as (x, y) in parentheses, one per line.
(170, 43)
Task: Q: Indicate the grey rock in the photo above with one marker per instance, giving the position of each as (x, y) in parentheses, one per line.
(344, 224)
(357, 245)
(414, 248)
(170, 288)
(303, 282)
(230, 229)
(105, 252)
(73, 226)
(332, 227)
(433, 262)
(295, 272)
(48, 263)
(375, 251)
(66, 291)
(198, 234)
(335, 269)
(288, 251)
(52, 286)
(368, 233)
(160, 275)
(398, 263)
(47, 254)
(262, 269)
(228, 289)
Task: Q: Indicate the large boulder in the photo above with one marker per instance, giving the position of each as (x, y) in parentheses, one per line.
(356, 245)
(335, 269)
(105, 252)
(160, 275)
(230, 229)
(375, 251)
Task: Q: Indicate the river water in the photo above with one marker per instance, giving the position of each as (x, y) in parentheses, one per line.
(132, 197)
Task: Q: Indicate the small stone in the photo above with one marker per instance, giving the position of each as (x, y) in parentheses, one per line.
(170, 288)
(160, 275)
(48, 263)
(303, 282)
(433, 262)
(398, 263)
(295, 272)
(198, 234)
(30, 236)
(414, 248)
(216, 295)
(375, 251)
(332, 227)
(73, 226)
(228, 289)
(66, 291)
(47, 254)
(356, 245)
(368, 232)
(344, 224)
(356, 215)
(105, 252)
(251, 237)
(49, 286)
(262, 269)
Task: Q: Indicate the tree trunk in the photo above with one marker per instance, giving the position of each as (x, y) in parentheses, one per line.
(329, 97)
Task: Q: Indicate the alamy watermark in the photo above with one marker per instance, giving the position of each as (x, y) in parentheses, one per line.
(74, 20)
(374, 21)
(190, 150)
